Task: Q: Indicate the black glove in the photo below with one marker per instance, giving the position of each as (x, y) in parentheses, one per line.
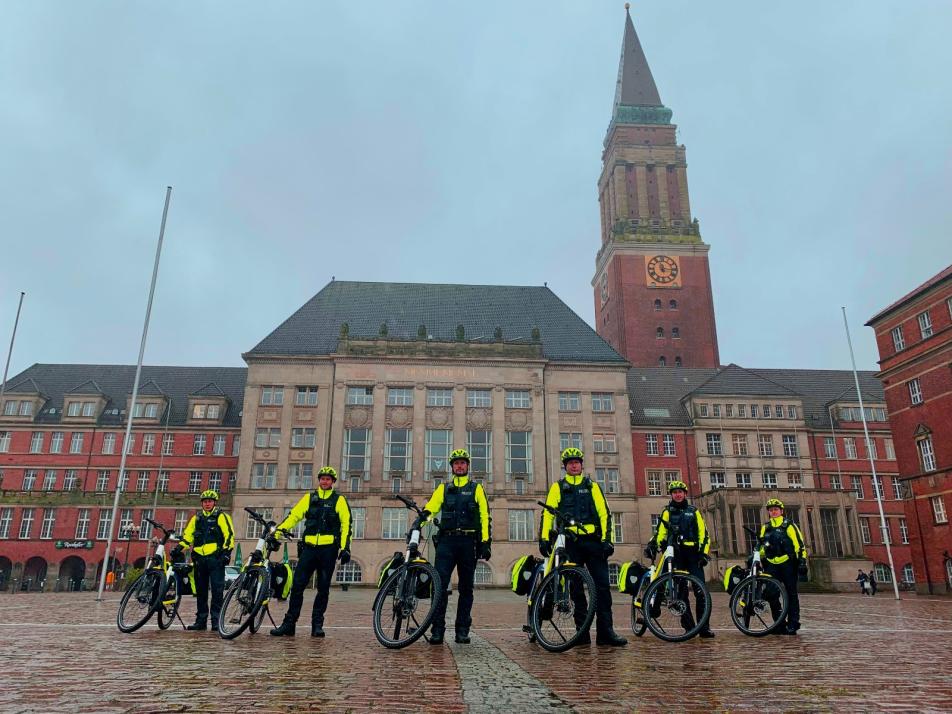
(226, 557)
(272, 542)
(485, 550)
(607, 549)
(545, 547)
(651, 551)
(344, 556)
(802, 568)
(178, 551)
(703, 560)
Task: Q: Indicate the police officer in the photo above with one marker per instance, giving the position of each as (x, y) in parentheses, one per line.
(465, 536)
(211, 536)
(682, 526)
(576, 495)
(781, 546)
(326, 539)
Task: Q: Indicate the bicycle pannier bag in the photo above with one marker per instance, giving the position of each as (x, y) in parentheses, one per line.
(629, 577)
(389, 568)
(282, 577)
(424, 586)
(186, 578)
(522, 573)
(733, 576)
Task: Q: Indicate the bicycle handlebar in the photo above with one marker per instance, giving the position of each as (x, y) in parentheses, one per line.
(157, 525)
(409, 503)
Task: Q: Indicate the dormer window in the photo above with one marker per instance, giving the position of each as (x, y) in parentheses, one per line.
(149, 410)
(205, 411)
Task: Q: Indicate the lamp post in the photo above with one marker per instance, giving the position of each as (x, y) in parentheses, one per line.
(128, 531)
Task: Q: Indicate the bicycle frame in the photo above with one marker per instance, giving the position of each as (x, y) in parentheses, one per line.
(159, 560)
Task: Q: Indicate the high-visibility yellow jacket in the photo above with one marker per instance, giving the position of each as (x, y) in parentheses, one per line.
(484, 525)
(584, 500)
(781, 540)
(326, 517)
(688, 522)
(209, 532)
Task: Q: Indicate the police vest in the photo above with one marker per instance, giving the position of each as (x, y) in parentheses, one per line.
(776, 541)
(460, 510)
(321, 516)
(577, 502)
(682, 526)
(207, 530)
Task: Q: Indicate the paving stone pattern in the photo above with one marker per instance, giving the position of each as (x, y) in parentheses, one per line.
(62, 652)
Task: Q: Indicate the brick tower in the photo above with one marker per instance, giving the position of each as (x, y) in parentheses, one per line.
(653, 300)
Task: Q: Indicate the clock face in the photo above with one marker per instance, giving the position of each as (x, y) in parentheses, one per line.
(663, 270)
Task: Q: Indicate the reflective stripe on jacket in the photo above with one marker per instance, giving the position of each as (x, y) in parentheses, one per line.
(209, 532)
(685, 522)
(587, 503)
(439, 499)
(780, 541)
(327, 520)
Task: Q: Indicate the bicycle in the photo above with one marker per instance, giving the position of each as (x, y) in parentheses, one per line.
(562, 598)
(755, 595)
(156, 590)
(413, 580)
(665, 606)
(247, 600)
(634, 578)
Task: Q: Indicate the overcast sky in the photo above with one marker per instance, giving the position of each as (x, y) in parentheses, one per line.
(455, 142)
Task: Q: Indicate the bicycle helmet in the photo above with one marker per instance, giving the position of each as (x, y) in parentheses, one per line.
(210, 493)
(459, 454)
(572, 453)
(675, 485)
(775, 502)
(327, 471)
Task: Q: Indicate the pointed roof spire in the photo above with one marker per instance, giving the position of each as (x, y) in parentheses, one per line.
(636, 95)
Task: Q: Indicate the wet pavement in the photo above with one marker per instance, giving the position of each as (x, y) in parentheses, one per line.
(62, 652)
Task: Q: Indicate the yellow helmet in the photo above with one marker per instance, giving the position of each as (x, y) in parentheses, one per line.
(327, 471)
(775, 502)
(459, 454)
(572, 453)
(675, 485)
(210, 493)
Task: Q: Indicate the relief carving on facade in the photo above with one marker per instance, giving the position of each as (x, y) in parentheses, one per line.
(479, 418)
(304, 416)
(439, 418)
(570, 421)
(603, 422)
(357, 418)
(518, 420)
(399, 417)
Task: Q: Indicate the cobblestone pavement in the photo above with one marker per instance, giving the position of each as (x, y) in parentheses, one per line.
(62, 652)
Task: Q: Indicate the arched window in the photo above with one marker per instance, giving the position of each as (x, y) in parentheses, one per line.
(676, 333)
(350, 573)
(613, 569)
(672, 304)
(657, 304)
(659, 333)
(677, 361)
(882, 573)
(484, 574)
(662, 362)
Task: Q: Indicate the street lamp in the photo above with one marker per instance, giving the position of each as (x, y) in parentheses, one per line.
(128, 531)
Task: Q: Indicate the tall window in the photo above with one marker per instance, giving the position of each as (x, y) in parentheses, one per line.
(437, 444)
(267, 438)
(899, 341)
(570, 438)
(655, 487)
(791, 411)
(765, 444)
(835, 482)
(739, 442)
(272, 395)
(651, 444)
(4, 441)
(871, 450)
(794, 480)
(49, 480)
(480, 446)
(718, 479)
(743, 480)
(163, 483)
(6, 521)
(831, 531)
(908, 575)
(89, 409)
(790, 446)
(29, 479)
(301, 476)
(478, 398)
(439, 397)
(198, 445)
(857, 482)
(303, 438)
(262, 476)
(26, 522)
(305, 397)
(400, 396)
(358, 521)
(897, 488)
(607, 479)
(394, 523)
(398, 447)
(604, 443)
(360, 395)
(195, 481)
(926, 453)
(357, 451)
(770, 480)
(938, 509)
(890, 449)
(618, 527)
(102, 480)
(253, 529)
(849, 446)
(36, 442)
(105, 523)
(236, 444)
(76, 443)
(142, 482)
(70, 480)
(82, 523)
(829, 447)
(46, 525)
(714, 444)
(182, 516)
(214, 481)
(903, 531)
(168, 444)
(603, 402)
(915, 391)
(56, 443)
(865, 531)
(218, 445)
(925, 324)
(148, 444)
(145, 528)
(518, 399)
(518, 453)
(520, 525)
(569, 402)
(668, 445)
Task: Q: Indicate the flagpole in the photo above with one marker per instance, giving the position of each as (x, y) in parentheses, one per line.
(3, 384)
(135, 392)
(884, 529)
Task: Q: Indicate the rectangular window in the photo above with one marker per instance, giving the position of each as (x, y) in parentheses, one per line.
(70, 480)
(742, 411)
(778, 411)
(357, 451)
(668, 445)
(518, 399)
(359, 396)
(89, 409)
(10, 408)
(29, 480)
(915, 392)
(355, 484)
(394, 523)
(214, 481)
(400, 396)
(925, 324)
(521, 525)
(262, 476)
(857, 482)
(478, 398)
(835, 483)
(849, 446)
(397, 450)
(82, 524)
(168, 444)
(651, 444)
(714, 444)
(182, 516)
(569, 402)
(439, 397)
(145, 528)
(5, 441)
(865, 531)
(604, 443)
(770, 480)
(47, 524)
(718, 479)
(765, 444)
(753, 411)
(716, 410)
(518, 453)
(618, 527)
(794, 480)
(49, 480)
(790, 446)
(607, 479)
(899, 342)
(871, 449)
(791, 411)
(252, 528)
(148, 444)
(76, 443)
(195, 481)
(890, 450)
(743, 480)
(198, 445)
(105, 523)
(102, 481)
(729, 410)
(56, 443)
(26, 522)
(829, 447)
(903, 531)
(480, 447)
(303, 438)
(272, 395)
(603, 402)
(125, 523)
(267, 438)
(142, 482)
(926, 453)
(437, 445)
(702, 410)
(655, 487)
(36, 442)
(305, 397)
(897, 488)
(236, 444)
(831, 531)
(358, 522)
(739, 442)
(218, 445)
(163, 483)
(6, 521)
(301, 476)
(750, 517)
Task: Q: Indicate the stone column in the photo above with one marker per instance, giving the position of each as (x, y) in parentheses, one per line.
(641, 179)
(683, 194)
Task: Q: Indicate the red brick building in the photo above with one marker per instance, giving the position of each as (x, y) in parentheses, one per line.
(61, 433)
(914, 336)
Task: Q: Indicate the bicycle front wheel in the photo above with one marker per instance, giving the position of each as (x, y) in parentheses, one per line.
(563, 608)
(140, 600)
(242, 602)
(667, 607)
(169, 605)
(759, 604)
(406, 604)
(638, 622)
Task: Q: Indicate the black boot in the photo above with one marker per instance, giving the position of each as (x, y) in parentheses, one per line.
(436, 635)
(197, 626)
(317, 631)
(611, 639)
(706, 633)
(285, 629)
(462, 636)
(585, 640)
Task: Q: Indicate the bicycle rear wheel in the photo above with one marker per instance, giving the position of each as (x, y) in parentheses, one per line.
(638, 622)
(563, 608)
(759, 604)
(140, 600)
(406, 604)
(667, 607)
(169, 604)
(242, 602)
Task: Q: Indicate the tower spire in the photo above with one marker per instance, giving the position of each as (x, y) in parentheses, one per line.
(636, 95)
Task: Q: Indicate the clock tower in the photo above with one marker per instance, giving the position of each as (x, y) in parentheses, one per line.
(653, 299)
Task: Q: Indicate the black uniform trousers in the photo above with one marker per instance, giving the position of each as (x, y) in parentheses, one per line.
(456, 551)
(786, 573)
(588, 552)
(208, 570)
(323, 559)
(690, 560)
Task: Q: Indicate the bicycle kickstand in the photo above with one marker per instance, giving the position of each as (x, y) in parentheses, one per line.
(268, 611)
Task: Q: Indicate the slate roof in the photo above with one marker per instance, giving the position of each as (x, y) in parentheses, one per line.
(636, 85)
(314, 329)
(115, 382)
(908, 297)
